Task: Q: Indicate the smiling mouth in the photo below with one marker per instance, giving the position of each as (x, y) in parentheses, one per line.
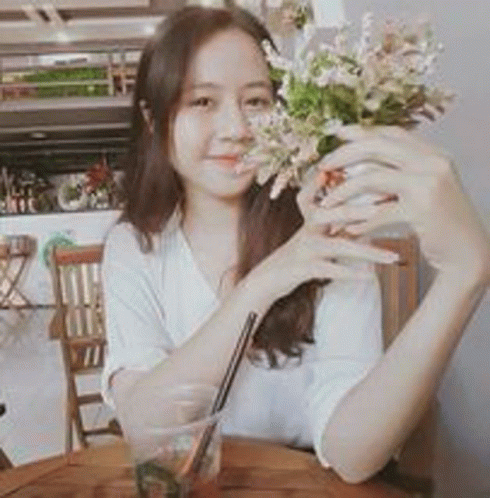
(227, 160)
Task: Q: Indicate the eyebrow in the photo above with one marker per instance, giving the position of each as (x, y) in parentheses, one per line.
(253, 84)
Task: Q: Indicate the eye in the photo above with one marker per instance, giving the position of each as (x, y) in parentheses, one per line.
(258, 103)
(202, 102)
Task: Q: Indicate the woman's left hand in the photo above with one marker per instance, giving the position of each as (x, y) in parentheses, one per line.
(429, 197)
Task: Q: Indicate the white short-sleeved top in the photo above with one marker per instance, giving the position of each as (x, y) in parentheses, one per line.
(154, 302)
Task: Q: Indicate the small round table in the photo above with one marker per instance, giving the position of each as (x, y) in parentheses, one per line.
(250, 469)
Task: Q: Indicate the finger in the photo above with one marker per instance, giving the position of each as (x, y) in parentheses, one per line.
(385, 183)
(391, 132)
(389, 216)
(344, 248)
(309, 190)
(362, 132)
(343, 214)
(348, 228)
(375, 150)
(322, 269)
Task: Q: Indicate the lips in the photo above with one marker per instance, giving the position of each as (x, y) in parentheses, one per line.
(228, 160)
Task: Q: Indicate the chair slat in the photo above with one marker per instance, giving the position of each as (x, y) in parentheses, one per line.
(78, 271)
(68, 297)
(79, 255)
(87, 399)
(92, 301)
(399, 284)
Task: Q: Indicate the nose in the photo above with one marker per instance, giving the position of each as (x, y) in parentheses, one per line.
(232, 123)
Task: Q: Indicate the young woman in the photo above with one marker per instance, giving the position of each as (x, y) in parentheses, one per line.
(200, 245)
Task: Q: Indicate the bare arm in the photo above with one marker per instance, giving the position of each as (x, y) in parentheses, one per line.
(202, 359)
(402, 383)
(429, 196)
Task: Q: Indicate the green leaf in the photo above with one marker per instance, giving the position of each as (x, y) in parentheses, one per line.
(328, 144)
(342, 102)
(276, 74)
(152, 470)
(305, 99)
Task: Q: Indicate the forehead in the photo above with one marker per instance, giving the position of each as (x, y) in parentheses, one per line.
(231, 57)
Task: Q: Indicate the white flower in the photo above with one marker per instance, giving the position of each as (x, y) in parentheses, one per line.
(331, 49)
(264, 173)
(332, 126)
(427, 64)
(344, 77)
(275, 59)
(374, 103)
(326, 76)
(280, 183)
(365, 41)
(307, 150)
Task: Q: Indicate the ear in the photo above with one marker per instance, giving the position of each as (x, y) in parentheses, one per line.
(146, 113)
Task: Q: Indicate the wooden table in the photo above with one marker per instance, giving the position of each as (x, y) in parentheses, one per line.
(250, 469)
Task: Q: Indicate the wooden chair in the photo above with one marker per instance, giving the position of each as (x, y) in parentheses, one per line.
(79, 324)
(412, 469)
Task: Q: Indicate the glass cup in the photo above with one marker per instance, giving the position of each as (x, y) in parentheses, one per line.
(163, 438)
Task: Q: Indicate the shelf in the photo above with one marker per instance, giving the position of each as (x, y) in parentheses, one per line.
(36, 129)
(22, 116)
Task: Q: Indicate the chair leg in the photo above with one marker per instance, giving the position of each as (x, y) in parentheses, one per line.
(77, 419)
(68, 429)
(5, 463)
(76, 425)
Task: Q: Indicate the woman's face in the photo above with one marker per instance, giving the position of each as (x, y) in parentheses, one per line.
(227, 81)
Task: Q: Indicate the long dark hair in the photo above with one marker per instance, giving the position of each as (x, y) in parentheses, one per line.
(152, 189)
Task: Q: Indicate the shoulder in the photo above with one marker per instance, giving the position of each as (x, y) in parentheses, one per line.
(123, 245)
(121, 236)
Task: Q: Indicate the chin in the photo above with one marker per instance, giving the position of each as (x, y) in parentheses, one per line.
(231, 187)
(231, 194)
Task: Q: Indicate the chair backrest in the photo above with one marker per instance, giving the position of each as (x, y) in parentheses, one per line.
(399, 284)
(78, 297)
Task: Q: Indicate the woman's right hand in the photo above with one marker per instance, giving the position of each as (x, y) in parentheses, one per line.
(313, 254)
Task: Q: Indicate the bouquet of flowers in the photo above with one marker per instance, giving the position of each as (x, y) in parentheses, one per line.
(376, 82)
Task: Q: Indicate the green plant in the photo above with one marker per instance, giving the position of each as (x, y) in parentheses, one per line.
(64, 75)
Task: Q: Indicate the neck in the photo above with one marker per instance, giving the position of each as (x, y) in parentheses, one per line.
(211, 216)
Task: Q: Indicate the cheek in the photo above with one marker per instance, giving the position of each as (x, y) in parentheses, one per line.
(189, 136)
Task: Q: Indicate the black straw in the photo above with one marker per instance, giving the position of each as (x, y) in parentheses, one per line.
(224, 390)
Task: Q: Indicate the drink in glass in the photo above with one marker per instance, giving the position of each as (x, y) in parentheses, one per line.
(163, 440)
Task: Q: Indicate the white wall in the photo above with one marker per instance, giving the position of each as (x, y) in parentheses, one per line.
(463, 26)
(82, 227)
